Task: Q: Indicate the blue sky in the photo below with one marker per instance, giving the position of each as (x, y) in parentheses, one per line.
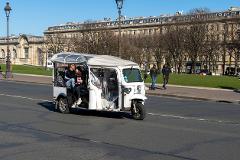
(34, 16)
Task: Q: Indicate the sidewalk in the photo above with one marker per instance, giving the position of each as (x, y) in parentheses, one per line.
(32, 78)
(186, 92)
(198, 93)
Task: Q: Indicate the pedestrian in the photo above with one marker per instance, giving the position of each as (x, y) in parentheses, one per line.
(166, 72)
(153, 74)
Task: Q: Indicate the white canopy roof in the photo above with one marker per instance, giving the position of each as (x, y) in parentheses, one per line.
(90, 59)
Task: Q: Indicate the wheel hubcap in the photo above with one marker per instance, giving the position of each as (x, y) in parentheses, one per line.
(62, 105)
(137, 112)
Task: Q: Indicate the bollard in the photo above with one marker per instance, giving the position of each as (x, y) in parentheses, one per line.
(1, 75)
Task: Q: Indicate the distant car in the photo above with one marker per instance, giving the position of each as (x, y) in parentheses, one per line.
(205, 72)
(230, 71)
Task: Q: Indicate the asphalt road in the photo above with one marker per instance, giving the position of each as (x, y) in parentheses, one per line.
(175, 129)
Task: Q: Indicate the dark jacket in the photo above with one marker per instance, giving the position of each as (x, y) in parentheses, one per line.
(166, 71)
(69, 74)
(153, 72)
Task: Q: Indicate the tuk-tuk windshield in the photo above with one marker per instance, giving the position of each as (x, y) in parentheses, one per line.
(132, 75)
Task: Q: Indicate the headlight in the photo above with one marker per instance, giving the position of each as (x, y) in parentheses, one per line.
(127, 90)
(138, 90)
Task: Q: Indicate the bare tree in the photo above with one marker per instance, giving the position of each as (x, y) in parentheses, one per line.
(159, 49)
(137, 51)
(200, 10)
(195, 42)
(145, 44)
(211, 51)
(55, 43)
(234, 52)
(107, 43)
(174, 40)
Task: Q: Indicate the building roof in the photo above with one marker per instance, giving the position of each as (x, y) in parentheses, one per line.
(16, 38)
(232, 13)
(90, 59)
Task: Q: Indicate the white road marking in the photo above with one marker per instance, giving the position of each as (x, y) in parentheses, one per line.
(22, 97)
(191, 118)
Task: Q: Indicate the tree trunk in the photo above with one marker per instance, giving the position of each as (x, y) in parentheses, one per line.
(236, 62)
(224, 60)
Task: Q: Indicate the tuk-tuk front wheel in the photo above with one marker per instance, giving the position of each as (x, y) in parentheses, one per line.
(62, 105)
(138, 111)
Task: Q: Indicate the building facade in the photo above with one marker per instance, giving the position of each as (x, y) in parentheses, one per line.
(23, 49)
(219, 21)
(225, 26)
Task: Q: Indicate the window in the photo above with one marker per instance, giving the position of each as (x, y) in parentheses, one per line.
(26, 52)
(14, 53)
(132, 75)
(3, 54)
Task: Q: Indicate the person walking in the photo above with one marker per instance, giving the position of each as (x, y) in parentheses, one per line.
(153, 74)
(166, 72)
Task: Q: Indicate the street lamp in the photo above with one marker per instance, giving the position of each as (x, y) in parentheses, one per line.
(7, 10)
(119, 7)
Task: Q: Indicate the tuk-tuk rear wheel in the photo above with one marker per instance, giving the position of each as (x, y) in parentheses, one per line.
(138, 112)
(63, 105)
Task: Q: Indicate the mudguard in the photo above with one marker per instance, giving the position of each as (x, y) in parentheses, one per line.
(138, 97)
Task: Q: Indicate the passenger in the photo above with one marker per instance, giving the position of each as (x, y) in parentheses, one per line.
(70, 77)
(79, 85)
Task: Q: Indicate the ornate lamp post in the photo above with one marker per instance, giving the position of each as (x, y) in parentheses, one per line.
(7, 10)
(119, 7)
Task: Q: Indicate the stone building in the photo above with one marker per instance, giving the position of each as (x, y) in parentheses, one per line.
(23, 49)
(224, 24)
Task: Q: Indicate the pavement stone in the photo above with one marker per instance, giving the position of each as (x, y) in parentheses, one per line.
(186, 92)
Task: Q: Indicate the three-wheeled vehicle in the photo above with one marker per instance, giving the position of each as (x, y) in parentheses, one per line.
(111, 84)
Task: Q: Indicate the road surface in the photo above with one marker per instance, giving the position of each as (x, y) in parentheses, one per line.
(175, 129)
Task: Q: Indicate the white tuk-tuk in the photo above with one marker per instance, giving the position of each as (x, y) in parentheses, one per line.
(111, 84)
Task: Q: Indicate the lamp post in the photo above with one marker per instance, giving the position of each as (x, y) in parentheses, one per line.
(119, 7)
(7, 10)
(237, 59)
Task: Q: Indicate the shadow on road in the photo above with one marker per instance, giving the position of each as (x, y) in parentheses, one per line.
(116, 115)
(237, 90)
(226, 87)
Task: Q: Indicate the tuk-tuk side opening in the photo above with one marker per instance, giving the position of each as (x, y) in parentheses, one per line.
(60, 84)
(104, 86)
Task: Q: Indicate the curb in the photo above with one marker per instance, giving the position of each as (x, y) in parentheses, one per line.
(193, 87)
(18, 81)
(194, 98)
(31, 75)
